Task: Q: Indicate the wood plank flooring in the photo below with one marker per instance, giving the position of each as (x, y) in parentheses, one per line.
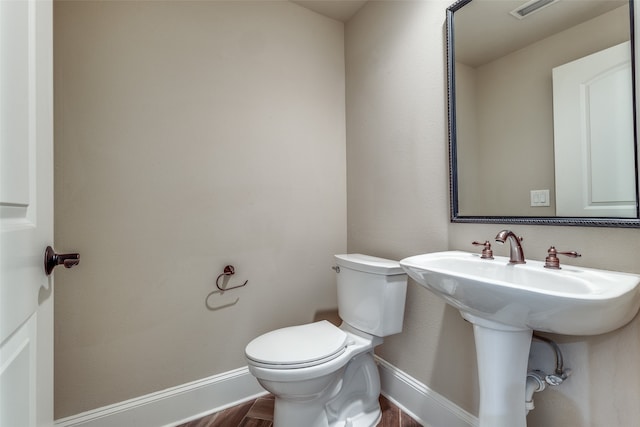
(259, 413)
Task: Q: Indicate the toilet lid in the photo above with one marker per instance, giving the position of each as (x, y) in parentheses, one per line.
(298, 346)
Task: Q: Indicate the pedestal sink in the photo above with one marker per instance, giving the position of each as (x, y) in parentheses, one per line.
(506, 302)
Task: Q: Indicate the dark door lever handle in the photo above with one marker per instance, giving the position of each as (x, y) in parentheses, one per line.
(52, 259)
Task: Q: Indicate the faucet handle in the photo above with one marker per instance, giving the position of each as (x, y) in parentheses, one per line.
(552, 261)
(487, 253)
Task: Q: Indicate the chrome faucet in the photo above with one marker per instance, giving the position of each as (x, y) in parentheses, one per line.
(516, 253)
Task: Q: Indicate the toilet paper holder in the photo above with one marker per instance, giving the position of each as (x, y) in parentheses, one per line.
(228, 271)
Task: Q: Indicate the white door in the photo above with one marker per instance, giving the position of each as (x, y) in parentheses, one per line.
(593, 135)
(26, 213)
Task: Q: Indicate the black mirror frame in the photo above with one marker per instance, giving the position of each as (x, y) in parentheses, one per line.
(453, 167)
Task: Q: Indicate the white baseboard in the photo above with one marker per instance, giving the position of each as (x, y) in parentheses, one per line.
(175, 405)
(193, 400)
(416, 399)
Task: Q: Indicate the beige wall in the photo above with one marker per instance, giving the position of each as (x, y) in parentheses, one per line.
(190, 135)
(397, 204)
(397, 177)
(138, 323)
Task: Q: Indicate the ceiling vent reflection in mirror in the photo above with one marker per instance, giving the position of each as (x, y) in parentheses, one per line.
(530, 7)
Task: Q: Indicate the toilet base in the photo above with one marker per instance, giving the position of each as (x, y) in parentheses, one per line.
(286, 414)
(352, 401)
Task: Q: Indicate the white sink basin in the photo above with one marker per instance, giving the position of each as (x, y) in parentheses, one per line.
(572, 301)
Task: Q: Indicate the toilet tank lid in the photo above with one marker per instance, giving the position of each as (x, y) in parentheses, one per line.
(369, 264)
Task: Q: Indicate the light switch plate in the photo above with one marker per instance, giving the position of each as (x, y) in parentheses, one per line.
(540, 198)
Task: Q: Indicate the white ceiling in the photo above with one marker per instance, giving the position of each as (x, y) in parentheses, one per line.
(340, 10)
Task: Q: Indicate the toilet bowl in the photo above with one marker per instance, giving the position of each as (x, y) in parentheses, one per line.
(325, 376)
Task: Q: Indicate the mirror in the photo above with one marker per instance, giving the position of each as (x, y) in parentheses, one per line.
(542, 124)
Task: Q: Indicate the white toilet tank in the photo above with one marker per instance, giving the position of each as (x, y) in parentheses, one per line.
(371, 293)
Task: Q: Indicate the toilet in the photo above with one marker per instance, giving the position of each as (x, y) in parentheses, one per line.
(325, 376)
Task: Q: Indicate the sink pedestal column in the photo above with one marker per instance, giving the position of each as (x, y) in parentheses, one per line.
(503, 355)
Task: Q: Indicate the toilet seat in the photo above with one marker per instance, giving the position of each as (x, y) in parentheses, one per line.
(297, 346)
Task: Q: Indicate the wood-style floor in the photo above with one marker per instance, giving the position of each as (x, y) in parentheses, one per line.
(259, 413)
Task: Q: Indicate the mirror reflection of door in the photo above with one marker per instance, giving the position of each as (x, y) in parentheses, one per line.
(593, 135)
